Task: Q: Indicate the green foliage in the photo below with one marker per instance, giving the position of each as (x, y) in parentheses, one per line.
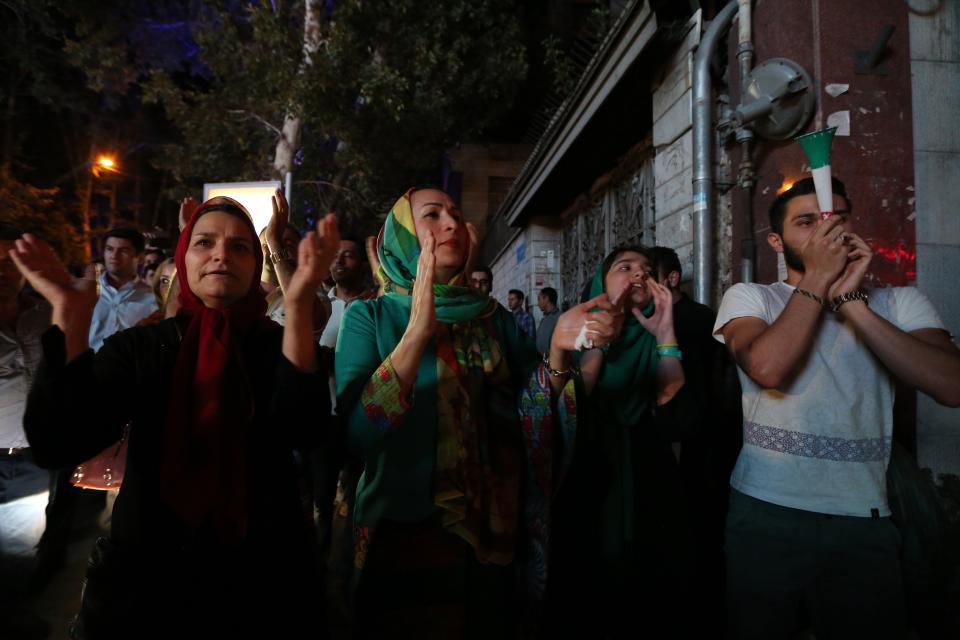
(401, 82)
(227, 120)
(42, 213)
(560, 66)
(391, 88)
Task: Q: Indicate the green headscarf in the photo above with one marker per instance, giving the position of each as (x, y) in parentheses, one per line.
(399, 250)
(625, 390)
(626, 386)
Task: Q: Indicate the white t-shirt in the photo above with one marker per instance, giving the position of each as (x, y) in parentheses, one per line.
(822, 443)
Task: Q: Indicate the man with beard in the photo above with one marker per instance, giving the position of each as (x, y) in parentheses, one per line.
(809, 526)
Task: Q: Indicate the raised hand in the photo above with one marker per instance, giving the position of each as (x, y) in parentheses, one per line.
(304, 311)
(278, 222)
(45, 272)
(601, 326)
(314, 255)
(374, 261)
(72, 299)
(187, 206)
(660, 324)
(859, 255)
(423, 314)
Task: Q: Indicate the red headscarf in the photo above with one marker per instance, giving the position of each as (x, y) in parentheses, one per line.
(204, 468)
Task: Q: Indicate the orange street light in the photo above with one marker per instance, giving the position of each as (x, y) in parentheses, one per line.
(106, 162)
(786, 186)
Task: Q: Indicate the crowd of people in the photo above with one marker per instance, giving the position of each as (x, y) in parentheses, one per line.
(329, 437)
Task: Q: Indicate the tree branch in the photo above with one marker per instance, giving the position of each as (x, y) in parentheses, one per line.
(254, 116)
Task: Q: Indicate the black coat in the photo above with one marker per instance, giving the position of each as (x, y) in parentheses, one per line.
(154, 570)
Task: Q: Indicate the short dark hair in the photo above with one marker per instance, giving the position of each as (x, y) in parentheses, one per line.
(517, 293)
(133, 236)
(778, 210)
(9, 232)
(361, 246)
(551, 293)
(665, 261)
(485, 270)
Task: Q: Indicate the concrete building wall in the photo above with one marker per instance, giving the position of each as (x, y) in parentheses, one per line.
(530, 262)
(935, 72)
(479, 164)
(673, 142)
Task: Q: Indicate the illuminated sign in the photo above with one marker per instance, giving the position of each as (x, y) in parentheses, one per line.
(255, 196)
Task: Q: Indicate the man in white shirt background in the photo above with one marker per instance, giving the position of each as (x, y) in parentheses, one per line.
(124, 299)
(808, 526)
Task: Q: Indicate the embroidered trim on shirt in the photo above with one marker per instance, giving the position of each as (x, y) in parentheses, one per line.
(810, 445)
(382, 400)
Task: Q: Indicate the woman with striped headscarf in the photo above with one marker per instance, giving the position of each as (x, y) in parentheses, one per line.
(452, 410)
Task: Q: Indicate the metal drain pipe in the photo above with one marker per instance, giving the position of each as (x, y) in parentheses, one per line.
(703, 133)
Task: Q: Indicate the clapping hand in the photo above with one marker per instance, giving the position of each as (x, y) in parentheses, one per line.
(423, 314)
(72, 299)
(278, 222)
(315, 253)
(660, 324)
(47, 274)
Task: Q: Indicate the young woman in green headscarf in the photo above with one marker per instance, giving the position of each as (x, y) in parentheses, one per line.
(452, 411)
(613, 520)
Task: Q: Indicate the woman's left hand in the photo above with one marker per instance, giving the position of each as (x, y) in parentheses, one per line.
(660, 324)
(316, 252)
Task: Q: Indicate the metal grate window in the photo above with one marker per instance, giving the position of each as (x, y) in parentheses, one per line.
(625, 214)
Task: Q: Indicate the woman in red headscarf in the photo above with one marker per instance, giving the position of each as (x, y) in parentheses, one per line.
(207, 537)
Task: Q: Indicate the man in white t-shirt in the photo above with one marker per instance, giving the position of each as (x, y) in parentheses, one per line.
(808, 526)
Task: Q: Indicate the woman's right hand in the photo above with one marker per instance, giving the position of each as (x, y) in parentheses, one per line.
(602, 327)
(423, 319)
(187, 207)
(374, 261)
(423, 313)
(72, 299)
(45, 272)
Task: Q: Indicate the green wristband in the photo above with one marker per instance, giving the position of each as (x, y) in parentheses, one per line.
(670, 352)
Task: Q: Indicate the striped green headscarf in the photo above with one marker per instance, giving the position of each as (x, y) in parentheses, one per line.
(399, 250)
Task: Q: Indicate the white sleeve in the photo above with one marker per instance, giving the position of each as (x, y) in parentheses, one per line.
(912, 310)
(740, 301)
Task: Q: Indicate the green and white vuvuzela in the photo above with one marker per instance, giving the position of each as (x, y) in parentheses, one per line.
(817, 147)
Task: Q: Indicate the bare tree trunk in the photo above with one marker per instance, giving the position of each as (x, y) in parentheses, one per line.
(293, 124)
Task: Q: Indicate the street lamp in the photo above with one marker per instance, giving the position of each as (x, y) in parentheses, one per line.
(104, 163)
